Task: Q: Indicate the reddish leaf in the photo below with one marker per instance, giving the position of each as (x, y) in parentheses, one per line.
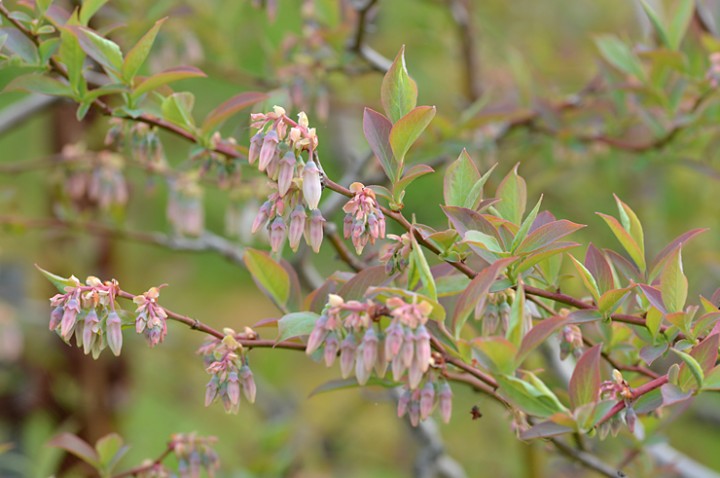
(377, 132)
(538, 334)
(355, 288)
(585, 380)
(547, 234)
(413, 173)
(654, 296)
(76, 446)
(626, 239)
(398, 92)
(476, 292)
(599, 267)
(623, 265)
(230, 107)
(165, 77)
(657, 263)
(464, 220)
(496, 353)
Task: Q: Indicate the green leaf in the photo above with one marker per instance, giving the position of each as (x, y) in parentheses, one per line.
(628, 242)
(496, 354)
(90, 8)
(110, 451)
(694, 367)
(177, 108)
(631, 224)
(514, 331)
(712, 379)
(585, 381)
(100, 49)
(226, 110)
(525, 226)
(423, 269)
(73, 57)
(679, 22)
(482, 240)
(408, 129)
(476, 293)
(60, 283)
(528, 397)
(620, 56)
(460, 178)
(512, 193)
(673, 283)
(168, 76)
(43, 84)
(706, 355)
(137, 55)
(296, 324)
(355, 288)
(587, 278)
(76, 446)
(398, 92)
(412, 173)
(269, 276)
(609, 300)
(656, 22)
(42, 6)
(377, 133)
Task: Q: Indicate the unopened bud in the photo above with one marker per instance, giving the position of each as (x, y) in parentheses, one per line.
(415, 373)
(312, 187)
(256, 144)
(332, 345)
(233, 388)
(422, 347)
(427, 400)
(248, 383)
(362, 373)
(314, 230)
(347, 355)
(113, 328)
(286, 172)
(277, 234)
(347, 225)
(370, 348)
(393, 340)
(297, 226)
(445, 402)
(408, 348)
(316, 336)
(270, 142)
(262, 216)
(403, 403)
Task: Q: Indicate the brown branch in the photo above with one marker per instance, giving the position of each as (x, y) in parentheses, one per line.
(462, 13)
(358, 46)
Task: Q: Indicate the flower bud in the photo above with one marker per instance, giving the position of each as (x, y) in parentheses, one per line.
(248, 383)
(407, 352)
(414, 413)
(55, 317)
(297, 226)
(398, 367)
(373, 227)
(347, 225)
(370, 348)
(211, 390)
(347, 355)
(267, 152)
(69, 318)
(362, 373)
(113, 329)
(403, 403)
(89, 329)
(422, 347)
(256, 144)
(233, 388)
(381, 362)
(286, 172)
(445, 402)
(277, 234)
(262, 216)
(317, 335)
(415, 373)
(312, 187)
(332, 345)
(393, 340)
(427, 400)
(381, 223)
(314, 230)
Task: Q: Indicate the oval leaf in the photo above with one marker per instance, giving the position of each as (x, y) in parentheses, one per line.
(269, 276)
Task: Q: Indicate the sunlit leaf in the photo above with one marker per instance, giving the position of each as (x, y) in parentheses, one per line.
(512, 193)
(296, 324)
(268, 275)
(673, 283)
(398, 92)
(460, 179)
(538, 334)
(137, 55)
(408, 129)
(377, 133)
(620, 56)
(585, 381)
(168, 76)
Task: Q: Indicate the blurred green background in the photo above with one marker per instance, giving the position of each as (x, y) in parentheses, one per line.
(529, 51)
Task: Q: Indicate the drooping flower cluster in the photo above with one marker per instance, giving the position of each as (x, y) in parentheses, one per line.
(228, 365)
(353, 329)
(617, 388)
(194, 454)
(94, 178)
(494, 313)
(142, 142)
(89, 312)
(185, 206)
(364, 221)
(571, 341)
(151, 319)
(396, 255)
(291, 209)
(418, 404)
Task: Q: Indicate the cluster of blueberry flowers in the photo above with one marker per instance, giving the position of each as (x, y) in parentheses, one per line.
(151, 319)
(364, 221)
(571, 341)
(89, 313)
(225, 361)
(194, 455)
(291, 210)
(353, 329)
(617, 389)
(94, 177)
(396, 255)
(494, 313)
(418, 404)
(142, 142)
